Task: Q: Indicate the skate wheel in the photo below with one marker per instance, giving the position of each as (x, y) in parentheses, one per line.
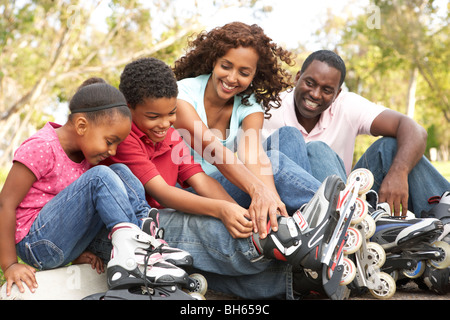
(367, 227)
(364, 176)
(387, 289)
(360, 211)
(415, 272)
(444, 261)
(201, 285)
(376, 254)
(197, 296)
(349, 272)
(354, 241)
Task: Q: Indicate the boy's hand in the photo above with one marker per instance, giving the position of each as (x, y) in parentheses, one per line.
(20, 273)
(237, 220)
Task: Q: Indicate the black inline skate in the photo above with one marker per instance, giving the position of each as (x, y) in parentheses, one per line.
(313, 239)
(413, 245)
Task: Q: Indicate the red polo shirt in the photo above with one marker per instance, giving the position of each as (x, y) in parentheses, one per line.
(170, 159)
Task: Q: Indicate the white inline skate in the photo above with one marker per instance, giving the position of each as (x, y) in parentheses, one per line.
(138, 271)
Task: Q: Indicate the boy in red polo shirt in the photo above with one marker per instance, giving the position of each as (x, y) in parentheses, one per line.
(158, 156)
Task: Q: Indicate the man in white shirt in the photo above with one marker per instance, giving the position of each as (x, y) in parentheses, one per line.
(319, 108)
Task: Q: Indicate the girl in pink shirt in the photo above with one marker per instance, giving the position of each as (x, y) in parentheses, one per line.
(53, 203)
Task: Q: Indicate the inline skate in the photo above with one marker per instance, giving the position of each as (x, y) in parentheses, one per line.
(180, 258)
(438, 280)
(313, 239)
(368, 257)
(414, 246)
(138, 271)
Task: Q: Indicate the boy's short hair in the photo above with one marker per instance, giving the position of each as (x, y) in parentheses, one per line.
(328, 57)
(147, 78)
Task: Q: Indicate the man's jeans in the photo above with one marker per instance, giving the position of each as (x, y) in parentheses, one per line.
(68, 223)
(424, 180)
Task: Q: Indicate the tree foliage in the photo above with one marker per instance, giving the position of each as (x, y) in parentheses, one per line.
(397, 54)
(48, 47)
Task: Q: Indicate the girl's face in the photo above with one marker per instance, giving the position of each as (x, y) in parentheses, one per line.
(154, 117)
(234, 72)
(100, 141)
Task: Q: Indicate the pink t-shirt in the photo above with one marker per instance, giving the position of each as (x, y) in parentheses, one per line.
(348, 116)
(43, 155)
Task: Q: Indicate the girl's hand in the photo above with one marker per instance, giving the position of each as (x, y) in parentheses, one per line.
(20, 273)
(90, 258)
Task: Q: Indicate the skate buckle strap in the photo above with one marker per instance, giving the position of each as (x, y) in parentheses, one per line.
(300, 220)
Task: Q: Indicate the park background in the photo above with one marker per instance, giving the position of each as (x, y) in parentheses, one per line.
(397, 53)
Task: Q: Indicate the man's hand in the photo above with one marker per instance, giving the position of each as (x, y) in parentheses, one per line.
(394, 191)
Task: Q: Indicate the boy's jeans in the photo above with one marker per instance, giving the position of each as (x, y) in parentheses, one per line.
(228, 263)
(68, 223)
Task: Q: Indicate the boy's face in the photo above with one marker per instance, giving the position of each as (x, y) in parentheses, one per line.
(155, 116)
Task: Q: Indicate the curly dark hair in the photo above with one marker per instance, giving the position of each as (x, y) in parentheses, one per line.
(270, 78)
(147, 78)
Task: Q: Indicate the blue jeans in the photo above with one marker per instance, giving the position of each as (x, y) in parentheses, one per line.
(424, 180)
(292, 173)
(66, 225)
(227, 263)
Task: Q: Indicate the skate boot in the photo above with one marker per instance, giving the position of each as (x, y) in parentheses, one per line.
(314, 237)
(138, 271)
(441, 211)
(175, 256)
(196, 282)
(411, 244)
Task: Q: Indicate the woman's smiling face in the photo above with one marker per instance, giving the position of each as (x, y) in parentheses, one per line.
(234, 72)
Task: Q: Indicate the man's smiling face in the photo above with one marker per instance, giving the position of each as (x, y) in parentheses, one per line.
(316, 89)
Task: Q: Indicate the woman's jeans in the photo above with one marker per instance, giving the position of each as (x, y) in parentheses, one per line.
(292, 173)
(66, 225)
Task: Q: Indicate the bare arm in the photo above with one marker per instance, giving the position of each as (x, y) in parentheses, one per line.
(264, 200)
(411, 144)
(17, 184)
(232, 215)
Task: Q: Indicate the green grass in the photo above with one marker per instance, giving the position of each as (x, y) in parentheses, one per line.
(442, 167)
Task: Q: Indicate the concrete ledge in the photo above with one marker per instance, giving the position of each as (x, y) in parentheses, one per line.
(68, 283)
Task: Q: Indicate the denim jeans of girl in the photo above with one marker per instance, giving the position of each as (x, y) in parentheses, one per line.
(66, 225)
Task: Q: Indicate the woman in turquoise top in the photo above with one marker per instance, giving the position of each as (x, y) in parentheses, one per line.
(228, 82)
